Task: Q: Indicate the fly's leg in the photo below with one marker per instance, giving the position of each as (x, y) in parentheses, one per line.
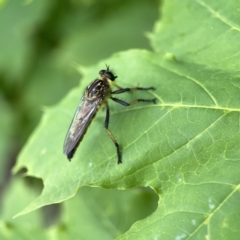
(111, 136)
(122, 90)
(133, 102)
(119, 91)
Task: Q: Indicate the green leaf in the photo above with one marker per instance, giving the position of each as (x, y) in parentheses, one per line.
(14, 198)
(5, 123)
(186, 147)
(112, 32)
(87, 161)
(104, 214)
(15, 44)
(2, 3)
(200, 31)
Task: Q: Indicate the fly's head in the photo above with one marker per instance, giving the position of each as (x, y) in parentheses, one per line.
(107, 75)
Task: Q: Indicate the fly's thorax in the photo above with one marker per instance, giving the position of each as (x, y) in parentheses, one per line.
(97, 89)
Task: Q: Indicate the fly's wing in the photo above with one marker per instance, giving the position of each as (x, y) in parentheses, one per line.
(84, 114)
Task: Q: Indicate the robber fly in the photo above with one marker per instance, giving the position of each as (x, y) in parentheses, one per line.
(96, 94)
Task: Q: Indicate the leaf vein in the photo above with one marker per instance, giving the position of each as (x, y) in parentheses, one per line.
(219, 16)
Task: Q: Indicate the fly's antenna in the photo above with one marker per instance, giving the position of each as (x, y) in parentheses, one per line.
(107, 66)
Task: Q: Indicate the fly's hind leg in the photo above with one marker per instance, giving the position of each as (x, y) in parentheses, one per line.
(111, 136)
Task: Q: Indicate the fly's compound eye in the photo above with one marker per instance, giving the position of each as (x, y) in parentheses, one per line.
(107, 74)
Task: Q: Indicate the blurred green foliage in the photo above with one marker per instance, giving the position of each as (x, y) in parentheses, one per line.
(40, 43)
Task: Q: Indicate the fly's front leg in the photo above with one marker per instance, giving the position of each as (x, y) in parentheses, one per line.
(122, 90)
(111, 136)
(133, 102)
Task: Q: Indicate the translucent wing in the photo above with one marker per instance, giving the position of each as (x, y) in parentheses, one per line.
(84, 114)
